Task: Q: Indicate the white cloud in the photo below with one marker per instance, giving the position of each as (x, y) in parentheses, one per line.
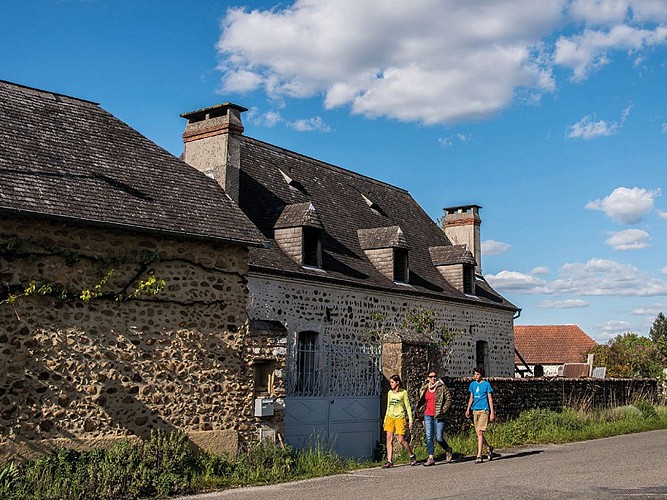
(650, 310)
(664, 270)
(597, 277)
(493, 247)
(626, 205)
(630, 239)
(611, 329)
(563, 304)
(662, 214)
(309, 125)
(268, 119)
(586, 128)
(664, 128)
(540, 270)
(512, 281)
(433, 61)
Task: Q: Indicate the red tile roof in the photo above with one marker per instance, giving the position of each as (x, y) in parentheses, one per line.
(551, 344)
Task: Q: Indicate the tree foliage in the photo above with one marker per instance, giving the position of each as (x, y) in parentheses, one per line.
(658, 333)
(629, 355)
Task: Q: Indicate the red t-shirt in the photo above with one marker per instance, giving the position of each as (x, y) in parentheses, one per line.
(430, 403)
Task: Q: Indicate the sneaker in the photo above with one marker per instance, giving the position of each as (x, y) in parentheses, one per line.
(479, 460)
(429, 462)
(413, 460)
(449, 455)
(489, 455)
(388, 465)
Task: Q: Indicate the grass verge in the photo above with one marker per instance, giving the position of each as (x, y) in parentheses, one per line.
(167, 465)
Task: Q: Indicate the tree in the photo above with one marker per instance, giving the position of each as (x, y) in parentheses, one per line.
(658, 333)
(629, 355)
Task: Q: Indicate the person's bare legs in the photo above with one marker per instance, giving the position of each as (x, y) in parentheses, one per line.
(390, 445)
(404, 444)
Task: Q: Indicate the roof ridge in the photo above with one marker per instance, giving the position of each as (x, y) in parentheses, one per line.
(328, 165)
(48, 92)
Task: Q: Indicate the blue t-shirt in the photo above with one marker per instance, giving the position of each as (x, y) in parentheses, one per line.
(479, 391)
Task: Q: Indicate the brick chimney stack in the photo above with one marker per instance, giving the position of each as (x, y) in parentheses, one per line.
(212, 144)
(462, 227)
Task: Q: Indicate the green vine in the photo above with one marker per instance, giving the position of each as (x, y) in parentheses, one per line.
(14, 247)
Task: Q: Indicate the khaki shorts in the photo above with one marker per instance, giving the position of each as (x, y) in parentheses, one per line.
(481, 419)
(395, 425)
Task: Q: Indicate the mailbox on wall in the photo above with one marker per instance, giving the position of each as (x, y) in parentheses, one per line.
(264, 407)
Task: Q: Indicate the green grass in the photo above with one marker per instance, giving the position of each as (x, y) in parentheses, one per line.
(544, 426)
(167, 465)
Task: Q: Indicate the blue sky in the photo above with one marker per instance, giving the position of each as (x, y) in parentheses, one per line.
(550, 115)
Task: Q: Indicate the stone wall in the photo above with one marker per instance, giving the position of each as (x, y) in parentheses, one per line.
(82, 374)
(514, 395)
(343, 315)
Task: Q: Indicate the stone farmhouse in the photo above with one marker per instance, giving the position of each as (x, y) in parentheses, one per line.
(260, 294)
(92, 217)
(345, 250)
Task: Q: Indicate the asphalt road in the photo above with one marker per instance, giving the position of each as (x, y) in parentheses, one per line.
(632, 466)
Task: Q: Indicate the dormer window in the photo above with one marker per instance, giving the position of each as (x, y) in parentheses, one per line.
(401, 265)
(457, 265)
(387, 249)
(298, 232)
(312, 247)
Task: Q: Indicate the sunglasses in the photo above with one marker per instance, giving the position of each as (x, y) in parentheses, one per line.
(432, 376)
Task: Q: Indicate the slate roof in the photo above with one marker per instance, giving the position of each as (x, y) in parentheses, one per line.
(552, 344)
(68, 158)
(272, 177)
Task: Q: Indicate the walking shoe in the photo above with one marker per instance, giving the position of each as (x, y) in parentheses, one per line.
(449, 455)
(489, 455)
(413, 460)
(388, 465)
(479, 460)
(429, 462)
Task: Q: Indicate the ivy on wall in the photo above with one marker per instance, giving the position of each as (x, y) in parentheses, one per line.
(143, 283)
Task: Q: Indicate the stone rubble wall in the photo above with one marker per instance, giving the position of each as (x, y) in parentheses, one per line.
(82, 374)
(344, 315)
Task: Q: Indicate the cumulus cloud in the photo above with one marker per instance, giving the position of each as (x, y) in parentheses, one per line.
(493, 247)
(630, 239)
(563, 304)
(649, 310)
(309, 125)
(596, 277)
(268, 119)
(611, 329)
(540, 270)
(662, 214)
(664, 270)
(513, 281)
(586, 128)
(453, 61)
(625, 205)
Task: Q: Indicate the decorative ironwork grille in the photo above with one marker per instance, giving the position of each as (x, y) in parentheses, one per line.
(322, 368)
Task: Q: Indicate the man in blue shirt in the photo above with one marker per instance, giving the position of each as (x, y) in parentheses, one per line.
(481, 404)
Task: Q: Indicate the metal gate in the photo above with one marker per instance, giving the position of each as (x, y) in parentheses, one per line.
(333, 396)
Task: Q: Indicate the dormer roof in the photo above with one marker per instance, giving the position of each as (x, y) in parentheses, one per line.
(382, 237)
(299, 215)
(449, 255)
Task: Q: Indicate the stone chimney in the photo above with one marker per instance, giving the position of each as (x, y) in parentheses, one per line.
(462, 227)
(212, 144)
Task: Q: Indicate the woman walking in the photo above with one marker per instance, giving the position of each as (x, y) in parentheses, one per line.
(435, 399)
(398, 411)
